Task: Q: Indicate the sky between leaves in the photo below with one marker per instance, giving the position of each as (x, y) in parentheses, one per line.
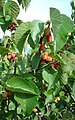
(39, 9)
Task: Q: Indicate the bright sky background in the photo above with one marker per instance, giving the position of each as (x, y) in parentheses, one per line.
(39, 9)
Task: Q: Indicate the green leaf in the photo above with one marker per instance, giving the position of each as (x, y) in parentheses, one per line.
(69, 66)
(62, 94)
(35, 60)
(28, 76)
(22, 85)
(36, 28)
(31, 42)
(49, 78)
(72, 3)
(7, 17)
(66, 27)
(67, 115)
(59, 58)
(56, 19)
(45, 76)
(12, 106)
(73, 118)
(56, 88)
(22, 31)
(25, 3)
(12, 9)
(64, 78)
(1, 6)
(61, 25)
(21, 34)
(1, 20)
(22, 41)
(49, 99)
(6, 25)
(26, 102)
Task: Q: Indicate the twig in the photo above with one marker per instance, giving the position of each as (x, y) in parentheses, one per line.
(39, 115)
(69, 92)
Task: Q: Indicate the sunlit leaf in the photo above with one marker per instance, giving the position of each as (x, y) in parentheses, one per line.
(36, 28)
(66, 27)
(49, 78)
(24, 29)
(18, 84)
(26, 102)
(56, 19)
(12, 9)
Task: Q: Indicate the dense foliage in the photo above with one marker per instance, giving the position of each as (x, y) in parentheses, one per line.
(38, 84)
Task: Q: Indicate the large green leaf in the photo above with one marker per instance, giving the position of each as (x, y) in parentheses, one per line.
(61, 25)
(12, 9)
(26, 102)
(19, 84)
(66, 27)
(22, 31)
(56, 20)
(25, 3)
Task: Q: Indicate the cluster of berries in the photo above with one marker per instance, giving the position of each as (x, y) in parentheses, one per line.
(12, 56)
(12, 26)
(46, 58)
(67, 46)
(55, 64)
(48, 36)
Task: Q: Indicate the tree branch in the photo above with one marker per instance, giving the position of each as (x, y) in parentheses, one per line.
(69, 92)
